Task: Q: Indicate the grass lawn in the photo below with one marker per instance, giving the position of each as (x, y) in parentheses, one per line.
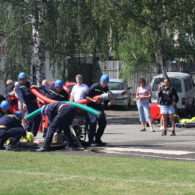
(49, 173)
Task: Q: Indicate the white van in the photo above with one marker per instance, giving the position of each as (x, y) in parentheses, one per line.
(184, 85)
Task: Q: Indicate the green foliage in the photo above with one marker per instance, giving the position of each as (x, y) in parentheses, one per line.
(129, 30)
(18, 40)
(75, 28)
(150, 24)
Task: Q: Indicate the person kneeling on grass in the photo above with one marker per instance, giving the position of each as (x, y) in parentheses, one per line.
(11, 127)
(169, 98)
(60, 116)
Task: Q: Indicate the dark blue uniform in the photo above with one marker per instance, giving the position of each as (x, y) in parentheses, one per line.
(26, 96)
(60, 117)
(1, 98)
(51, 93)
(10, 127)
(43, 90)
(4, 113)
(94, 90)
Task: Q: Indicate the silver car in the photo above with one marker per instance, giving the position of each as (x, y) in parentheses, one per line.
(120, 91)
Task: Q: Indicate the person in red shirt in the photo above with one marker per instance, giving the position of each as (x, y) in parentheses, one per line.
(11, 97)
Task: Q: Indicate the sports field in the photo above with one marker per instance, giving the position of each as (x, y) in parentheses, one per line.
(50, 173)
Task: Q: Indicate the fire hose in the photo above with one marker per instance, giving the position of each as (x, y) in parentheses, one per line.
(78, 104)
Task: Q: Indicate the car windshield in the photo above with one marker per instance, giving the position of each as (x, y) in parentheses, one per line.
(115, 86)
(175, 83)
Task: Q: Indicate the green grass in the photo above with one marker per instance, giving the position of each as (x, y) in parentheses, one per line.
(49, 173)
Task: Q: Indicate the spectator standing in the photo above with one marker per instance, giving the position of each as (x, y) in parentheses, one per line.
(79, 90)
(9, 89)
(143, 95)
(169, 99)
(11, 96)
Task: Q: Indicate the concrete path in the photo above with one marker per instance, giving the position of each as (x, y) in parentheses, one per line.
(123, 138)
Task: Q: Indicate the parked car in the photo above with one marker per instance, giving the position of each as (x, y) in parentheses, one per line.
(184, 85)
(120, 91)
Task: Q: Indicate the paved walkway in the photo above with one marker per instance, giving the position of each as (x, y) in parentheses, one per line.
(124, 138)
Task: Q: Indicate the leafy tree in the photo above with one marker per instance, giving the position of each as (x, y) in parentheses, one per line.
(150, 28)
(138, 32)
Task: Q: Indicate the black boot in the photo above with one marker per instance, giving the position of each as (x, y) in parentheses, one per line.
(12, 147)
(44, 132)
(99, 143)
(164, 133)
(42, 149)
(2, 147)
(173, 133)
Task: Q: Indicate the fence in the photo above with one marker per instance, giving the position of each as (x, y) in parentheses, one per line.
(113, 67)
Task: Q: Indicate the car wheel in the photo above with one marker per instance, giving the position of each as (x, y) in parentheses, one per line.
(191, 109)
(126, 107)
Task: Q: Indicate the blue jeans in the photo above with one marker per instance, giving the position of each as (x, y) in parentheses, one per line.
(144, 111)
(167, 109)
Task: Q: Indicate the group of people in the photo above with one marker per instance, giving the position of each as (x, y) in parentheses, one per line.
(167, 100)
(58, 114)
(20, 101)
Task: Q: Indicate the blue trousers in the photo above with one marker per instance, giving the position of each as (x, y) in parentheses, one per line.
(33, 125)
(61, 122)
(144, 111)
(14, 133)
(93, 124)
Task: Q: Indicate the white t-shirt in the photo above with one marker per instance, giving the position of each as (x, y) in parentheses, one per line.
(78, 92)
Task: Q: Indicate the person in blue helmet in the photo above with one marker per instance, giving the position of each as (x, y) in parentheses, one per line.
(54, 92)
(28, 101)
(4, 108)
(94, 90)
(60, 116)
(11, 127)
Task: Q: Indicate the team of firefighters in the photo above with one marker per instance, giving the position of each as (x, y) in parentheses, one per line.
(19, 100)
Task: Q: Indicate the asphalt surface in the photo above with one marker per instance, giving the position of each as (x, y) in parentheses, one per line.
(123, 138)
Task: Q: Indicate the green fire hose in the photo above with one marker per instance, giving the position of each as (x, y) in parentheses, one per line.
(81, 106)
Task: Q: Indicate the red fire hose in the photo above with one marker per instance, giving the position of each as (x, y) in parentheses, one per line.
(49, 101)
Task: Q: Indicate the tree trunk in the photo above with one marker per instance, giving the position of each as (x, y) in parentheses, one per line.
(159, 55)
(38, 53)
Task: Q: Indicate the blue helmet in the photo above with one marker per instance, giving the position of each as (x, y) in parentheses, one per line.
(20, 113)
(22, 75)
(42, 109)
(104, 78)
(4, 105)
(59, 83)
